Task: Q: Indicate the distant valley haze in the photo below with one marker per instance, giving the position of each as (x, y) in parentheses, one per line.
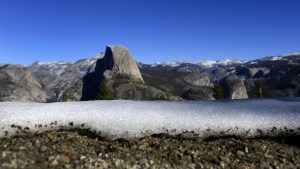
(153, 31)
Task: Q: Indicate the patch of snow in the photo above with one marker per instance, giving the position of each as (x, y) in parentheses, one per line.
(290, 54)
(216, 63)
(170, 63)
(205, 63)
(119, 118)
(253, 63)
(276, 58)
(57, 67)
(282, 72)
(50, 63)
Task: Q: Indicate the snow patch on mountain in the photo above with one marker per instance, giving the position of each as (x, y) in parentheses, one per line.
(287, 56)
(291, 54)
(204, 63)
(169, 63)
(57, 67)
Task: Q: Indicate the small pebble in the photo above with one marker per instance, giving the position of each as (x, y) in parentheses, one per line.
(63, 159)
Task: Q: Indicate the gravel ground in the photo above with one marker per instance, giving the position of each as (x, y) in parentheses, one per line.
(83, 149)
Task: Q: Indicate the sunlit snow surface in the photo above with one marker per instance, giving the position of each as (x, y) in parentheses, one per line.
(246, 118)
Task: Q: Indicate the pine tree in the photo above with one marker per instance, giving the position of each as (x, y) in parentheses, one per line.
(258, 92)
(266, 92)
(104, 93)
(262, 91)
(64, 98)
(218, 92)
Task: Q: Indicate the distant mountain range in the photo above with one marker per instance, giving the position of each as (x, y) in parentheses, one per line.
(203, 64)
(272, 76)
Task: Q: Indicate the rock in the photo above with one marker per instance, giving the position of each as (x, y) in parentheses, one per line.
(198, 93)
(197, 79)
(234, 87)
(268, 156)
(215, 74)
(118, 59)
(43, 148)
(54, 163)
(18, 84)
(239, 91)
(125, 88)
(63, 80)
(240, 153)
(252, 72)
(82, 157)
(63, 159)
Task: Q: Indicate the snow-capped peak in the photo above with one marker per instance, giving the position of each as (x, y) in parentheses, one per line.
(50, 63)
(204, 63)
(169, 63)
(290, 54)
(283, 56)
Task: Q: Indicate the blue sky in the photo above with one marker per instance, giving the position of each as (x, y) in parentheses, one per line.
(152, 30)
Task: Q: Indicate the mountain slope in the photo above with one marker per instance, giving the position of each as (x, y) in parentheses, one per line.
(17, 83)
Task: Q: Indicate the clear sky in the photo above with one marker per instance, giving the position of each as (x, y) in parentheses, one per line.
(152, 30)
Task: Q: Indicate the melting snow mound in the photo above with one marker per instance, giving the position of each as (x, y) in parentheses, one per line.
(120, 118)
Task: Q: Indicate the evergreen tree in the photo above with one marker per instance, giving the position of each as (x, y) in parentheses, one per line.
(64, 98)
(218, 92)
(262, 91)
(258, 92)
(266, 92)
(104, 93)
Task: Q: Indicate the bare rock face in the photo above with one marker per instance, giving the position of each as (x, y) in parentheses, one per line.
(252, 72)
(197, 79)
(215, 74)
(198, 93)
(234, 87)
(18, 84)
(118, 59)
(124, 87)
(239, 91)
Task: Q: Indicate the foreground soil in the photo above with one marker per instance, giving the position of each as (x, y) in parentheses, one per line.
(83, 149)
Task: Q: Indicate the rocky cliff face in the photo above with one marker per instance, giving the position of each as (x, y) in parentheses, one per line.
(118, 59)
(234, 88)
(197, 79)
(18, 84)
(59, 78)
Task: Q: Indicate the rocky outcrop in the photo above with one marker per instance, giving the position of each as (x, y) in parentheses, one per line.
(197, 79)
(18, 84)
(198, 93)
(252, 72)
(234, 87)
(124, 87)
(118, 59)
(215, 74)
